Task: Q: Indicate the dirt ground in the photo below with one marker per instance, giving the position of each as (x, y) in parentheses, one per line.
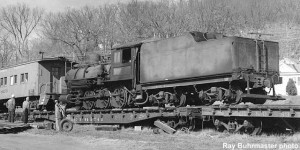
(87, 138)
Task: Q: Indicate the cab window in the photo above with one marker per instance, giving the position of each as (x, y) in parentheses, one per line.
(122, 56)
(11, 80)
(5, 80)
(24, 77)
(126, 55)
(15, 79)
(117, 57)
(55, 72)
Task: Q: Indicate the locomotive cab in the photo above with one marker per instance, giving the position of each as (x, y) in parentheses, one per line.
(121, 68)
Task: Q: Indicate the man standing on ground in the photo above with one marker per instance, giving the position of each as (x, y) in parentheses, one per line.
(25, 110)
(58, 115)
(11, 105)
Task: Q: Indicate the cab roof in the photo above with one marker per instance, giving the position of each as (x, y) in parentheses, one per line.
(133, 44)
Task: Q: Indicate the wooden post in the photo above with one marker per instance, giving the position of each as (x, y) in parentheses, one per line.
(164, 127)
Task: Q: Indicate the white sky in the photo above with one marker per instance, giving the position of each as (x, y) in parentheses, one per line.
(59, 5)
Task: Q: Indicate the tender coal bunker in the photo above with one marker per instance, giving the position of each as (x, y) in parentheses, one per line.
(200, 36)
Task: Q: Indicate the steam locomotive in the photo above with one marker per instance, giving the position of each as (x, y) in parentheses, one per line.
(193, 69)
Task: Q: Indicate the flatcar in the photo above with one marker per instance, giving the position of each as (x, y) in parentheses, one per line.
(36, 79)
(192, 69)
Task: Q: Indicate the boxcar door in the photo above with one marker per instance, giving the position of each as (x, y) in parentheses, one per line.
(54, 79)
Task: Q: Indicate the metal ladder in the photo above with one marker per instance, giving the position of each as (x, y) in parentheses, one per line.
(262, 56)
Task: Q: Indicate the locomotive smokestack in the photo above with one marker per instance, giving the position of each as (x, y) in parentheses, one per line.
(42, 53)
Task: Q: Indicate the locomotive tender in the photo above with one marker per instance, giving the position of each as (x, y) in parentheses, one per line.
(193, 69)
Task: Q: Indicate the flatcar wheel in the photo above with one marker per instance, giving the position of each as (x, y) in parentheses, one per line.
(66, 125)
(118, 99)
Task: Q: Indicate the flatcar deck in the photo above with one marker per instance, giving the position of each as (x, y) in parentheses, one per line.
(273, 111)
(232, 117)
(126, 116)
(123, 116)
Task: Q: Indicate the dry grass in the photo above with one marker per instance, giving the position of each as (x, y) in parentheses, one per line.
(146, 140)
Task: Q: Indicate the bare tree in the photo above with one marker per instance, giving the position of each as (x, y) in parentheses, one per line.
(129, 21)
(83, 30)
(6, 50)
(19, 21)
(108, 35)
(78, 29)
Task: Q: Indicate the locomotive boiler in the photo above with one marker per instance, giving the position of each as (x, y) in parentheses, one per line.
(193, 69)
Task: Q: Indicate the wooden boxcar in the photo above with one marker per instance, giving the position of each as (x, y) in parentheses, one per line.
(33, 79)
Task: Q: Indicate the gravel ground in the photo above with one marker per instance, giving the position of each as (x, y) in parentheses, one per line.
(86, 137)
